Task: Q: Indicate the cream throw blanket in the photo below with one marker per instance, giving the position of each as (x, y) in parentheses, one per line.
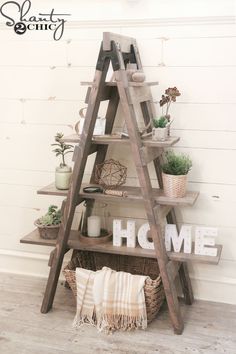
(111, 300)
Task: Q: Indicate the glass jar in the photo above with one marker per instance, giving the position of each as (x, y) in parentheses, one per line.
(94, 221)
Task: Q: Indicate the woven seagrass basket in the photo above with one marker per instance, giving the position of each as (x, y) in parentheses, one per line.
(153, 289)
(174, 186)
(47, 232)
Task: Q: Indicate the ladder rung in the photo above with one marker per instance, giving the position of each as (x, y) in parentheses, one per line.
(140, 94)
(105, 94)
(114, 83)
(173, 269)
(93, 149)
(150, 154)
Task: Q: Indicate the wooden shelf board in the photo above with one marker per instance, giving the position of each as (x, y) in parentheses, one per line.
(115, 139)
(133, 194)
(74, 243)
(33, 238)
(114, 83)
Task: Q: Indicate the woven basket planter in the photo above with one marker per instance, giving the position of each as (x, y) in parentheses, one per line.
(47, 232)
(174, 186)
(153, 289)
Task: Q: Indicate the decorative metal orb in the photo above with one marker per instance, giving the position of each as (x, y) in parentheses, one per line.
(110, 174)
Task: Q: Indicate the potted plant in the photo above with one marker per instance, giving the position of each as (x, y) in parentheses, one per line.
(174, 174)
(170, 96)
(63, 171)
(49, 224)
(160, 130)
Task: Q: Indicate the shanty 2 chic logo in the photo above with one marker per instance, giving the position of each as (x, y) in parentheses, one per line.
(21, 20)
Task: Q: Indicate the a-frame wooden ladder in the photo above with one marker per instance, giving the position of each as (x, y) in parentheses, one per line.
(136, 101)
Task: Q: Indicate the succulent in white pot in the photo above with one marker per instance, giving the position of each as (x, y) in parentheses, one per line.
(174, 174)
(160, 130)
(63, 171)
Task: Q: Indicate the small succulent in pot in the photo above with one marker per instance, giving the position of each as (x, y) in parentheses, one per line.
(49, 224)
(174, 174)
(160, 130)
(63, 171)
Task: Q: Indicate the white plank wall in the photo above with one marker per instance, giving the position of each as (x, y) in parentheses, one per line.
(40, 94)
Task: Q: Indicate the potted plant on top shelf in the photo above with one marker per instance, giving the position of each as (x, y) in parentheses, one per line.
(63, 171)
(160, 130)
(170, 96)
(48, 225)
(174, 174)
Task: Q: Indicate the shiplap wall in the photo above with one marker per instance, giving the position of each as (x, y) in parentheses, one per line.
(40, 94)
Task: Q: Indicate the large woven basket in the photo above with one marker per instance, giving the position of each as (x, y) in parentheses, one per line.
(153, 289)
(174, 186)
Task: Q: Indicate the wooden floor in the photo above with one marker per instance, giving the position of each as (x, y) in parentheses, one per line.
(210, 327)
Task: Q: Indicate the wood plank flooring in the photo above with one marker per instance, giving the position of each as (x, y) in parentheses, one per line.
(209, 327)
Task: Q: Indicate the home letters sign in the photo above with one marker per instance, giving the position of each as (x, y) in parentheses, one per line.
(174, 241)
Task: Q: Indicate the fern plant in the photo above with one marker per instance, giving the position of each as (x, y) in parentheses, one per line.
(52, 217)
(176, 164)
(160, 122)
(61, 149)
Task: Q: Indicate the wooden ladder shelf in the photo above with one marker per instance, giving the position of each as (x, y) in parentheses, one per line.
(137, 103)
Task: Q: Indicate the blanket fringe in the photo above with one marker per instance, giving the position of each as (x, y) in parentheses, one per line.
(79, 321)
(111, 323)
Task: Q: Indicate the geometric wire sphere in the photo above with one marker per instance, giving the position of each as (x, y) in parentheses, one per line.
(110, 174)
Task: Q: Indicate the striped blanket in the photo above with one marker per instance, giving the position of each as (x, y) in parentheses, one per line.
(110, 300)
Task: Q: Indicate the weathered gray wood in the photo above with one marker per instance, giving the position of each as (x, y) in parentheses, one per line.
(150, 153)
(116, 139)
(123, 41)
(149, 202)
(74, 243)
(139, 94)
(133, 194)
(173, 269)
(92, 150)
(73, 194)
(136, 105)
(149, 112)
(210, 329)
(164, 210)
(183, 269)
(105, 95)
(114, 83)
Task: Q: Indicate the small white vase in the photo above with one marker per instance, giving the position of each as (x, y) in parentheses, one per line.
(63, 177)
(160, 134)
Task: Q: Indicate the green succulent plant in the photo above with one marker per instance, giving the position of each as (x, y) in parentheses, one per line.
(52, 217)
(62, 148)
(160, 122)
(176, 164)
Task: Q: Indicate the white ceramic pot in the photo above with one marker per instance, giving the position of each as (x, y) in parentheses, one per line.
(63, 177)
(160, 134)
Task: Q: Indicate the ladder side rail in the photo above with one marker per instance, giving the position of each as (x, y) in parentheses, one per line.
(149, 112)
(146, 189)
(73, 193)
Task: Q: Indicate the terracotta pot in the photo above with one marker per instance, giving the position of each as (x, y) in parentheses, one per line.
(47, 232)
(174, 186)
